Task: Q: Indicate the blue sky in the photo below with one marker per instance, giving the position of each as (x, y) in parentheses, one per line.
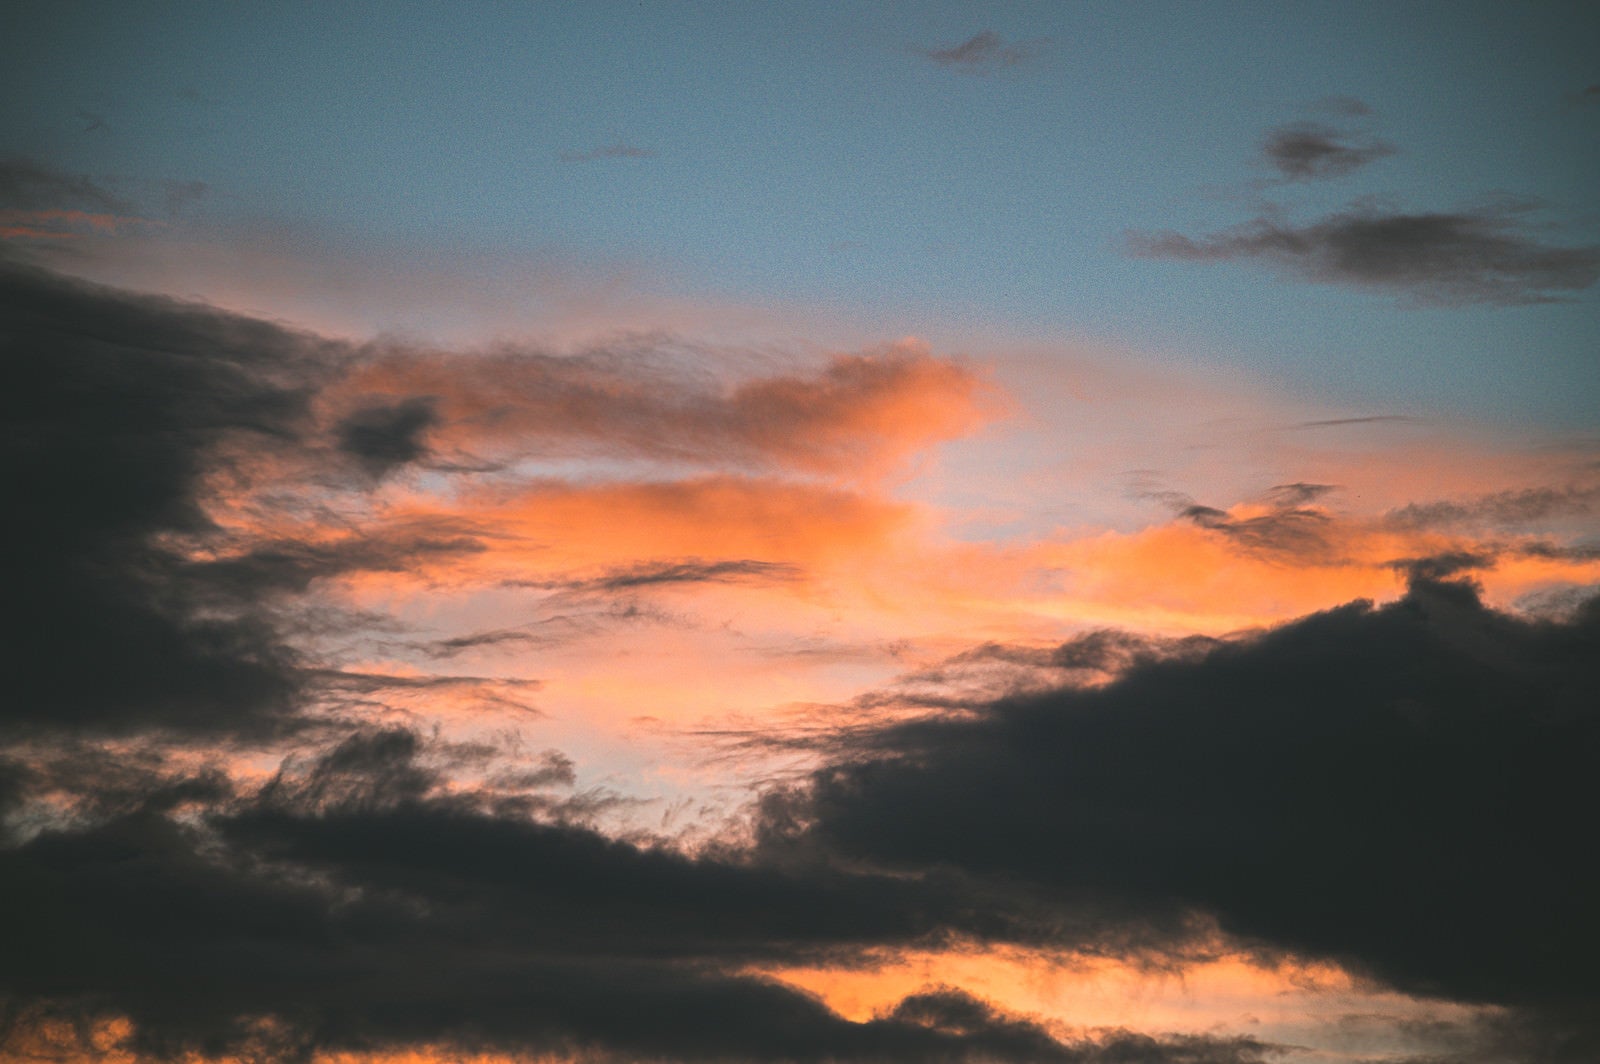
(821, 154)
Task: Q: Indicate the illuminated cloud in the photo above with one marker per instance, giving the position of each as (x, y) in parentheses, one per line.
(862, 413)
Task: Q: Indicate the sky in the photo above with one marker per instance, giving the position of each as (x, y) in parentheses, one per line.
(800, 533)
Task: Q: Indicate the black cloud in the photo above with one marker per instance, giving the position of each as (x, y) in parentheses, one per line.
(357, 905)
(120, 410)
(383, 437)
(1469, 256)
(114, 406)
(1407, 790)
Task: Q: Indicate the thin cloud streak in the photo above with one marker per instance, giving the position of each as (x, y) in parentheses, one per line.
(619, 150)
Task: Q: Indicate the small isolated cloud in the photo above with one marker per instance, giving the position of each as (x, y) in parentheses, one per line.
(982, 53)
(619, 150)
(1475, 255)
(181, 194)
(1344, 106)
(1307, 151)
(92, 121)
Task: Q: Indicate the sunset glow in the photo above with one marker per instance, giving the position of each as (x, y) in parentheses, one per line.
(800, 533)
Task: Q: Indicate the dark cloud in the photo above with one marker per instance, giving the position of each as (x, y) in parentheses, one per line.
(357, 903)
(1107, 651)
(115, 408)
(1290, 527)
(1307, 151)
(461, 644)
(1406, 790)
(290, 565)
(619, 150)
(661, 574)
(982, 53)
(1471, 256)
(385, 436)
(132, 610)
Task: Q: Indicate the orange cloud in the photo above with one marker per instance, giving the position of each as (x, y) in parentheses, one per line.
(860, 413)
(62, 223)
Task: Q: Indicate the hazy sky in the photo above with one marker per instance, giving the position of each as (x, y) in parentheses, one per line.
(801, 532)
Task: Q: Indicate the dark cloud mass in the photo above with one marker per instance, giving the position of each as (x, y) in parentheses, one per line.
(115, 405)
(1309, 151)
(384, 437)
(354, 904)
(1470, 256)
(133, 611)
(1406, 790)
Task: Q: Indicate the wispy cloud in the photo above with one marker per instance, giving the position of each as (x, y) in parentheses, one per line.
(1474, 255)
(619, 150)
(982, 53)
(1372, 419)
(29, 185)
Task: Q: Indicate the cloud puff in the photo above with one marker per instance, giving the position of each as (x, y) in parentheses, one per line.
(1308, 151)
(982, 53)
(1484, 255)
